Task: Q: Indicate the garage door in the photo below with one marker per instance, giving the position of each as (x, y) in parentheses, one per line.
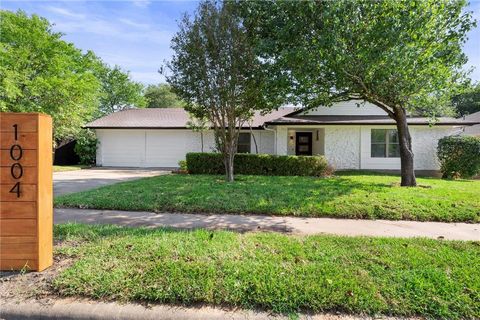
(164, 148)
(121, 148)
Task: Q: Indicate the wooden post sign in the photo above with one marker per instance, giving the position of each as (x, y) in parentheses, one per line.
(26, 203)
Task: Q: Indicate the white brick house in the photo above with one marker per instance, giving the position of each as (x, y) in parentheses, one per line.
(350, 134)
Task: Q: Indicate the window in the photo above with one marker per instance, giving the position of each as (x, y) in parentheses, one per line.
(384, 143)
(243, 142)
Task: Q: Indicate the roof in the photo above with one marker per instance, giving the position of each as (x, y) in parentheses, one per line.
(177, 118)
(293, 119)
(166, 118)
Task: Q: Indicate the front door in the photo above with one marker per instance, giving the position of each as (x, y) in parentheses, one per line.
(303, 145)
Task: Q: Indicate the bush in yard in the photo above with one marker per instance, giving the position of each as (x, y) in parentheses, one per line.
(259, 164)
(459, 156)
(86, 147)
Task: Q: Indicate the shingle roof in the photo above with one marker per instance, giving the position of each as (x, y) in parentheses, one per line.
(177, 118)
(358, 120)
(167, 118)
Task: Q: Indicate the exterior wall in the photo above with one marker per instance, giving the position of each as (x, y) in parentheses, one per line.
(161, 148)
(342, 147)
(348, 147)
(347, 108)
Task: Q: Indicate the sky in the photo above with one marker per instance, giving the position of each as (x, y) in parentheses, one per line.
(136, 34)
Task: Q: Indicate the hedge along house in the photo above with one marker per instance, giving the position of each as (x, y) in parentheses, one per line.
(350, 134)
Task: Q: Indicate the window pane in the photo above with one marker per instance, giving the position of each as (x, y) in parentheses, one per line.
(303, 148)
(392, 136)
(378, 151)
(378, 135)
(393, 151)
(303, 139)
(243, 138)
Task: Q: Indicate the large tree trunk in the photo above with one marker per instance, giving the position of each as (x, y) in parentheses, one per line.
(406, 153)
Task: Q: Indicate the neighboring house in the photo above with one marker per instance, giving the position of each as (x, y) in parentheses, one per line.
(473, 130)
(351, 135)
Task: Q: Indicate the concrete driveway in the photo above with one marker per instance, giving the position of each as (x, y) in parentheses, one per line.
(80, 180)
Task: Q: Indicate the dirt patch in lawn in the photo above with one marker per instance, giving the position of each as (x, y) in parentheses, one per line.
(23, 285)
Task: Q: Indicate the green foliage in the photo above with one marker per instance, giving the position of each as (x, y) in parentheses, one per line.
(468, 102)
(182, 164)
(162, 96)
(40, 72)
(118, 91)
(279, 273)
(459, 156)
(86, 147)
(347, 195)
(259, 164)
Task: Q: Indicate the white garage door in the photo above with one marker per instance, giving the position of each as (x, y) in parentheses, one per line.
(121, 148)
(166, 147)
(147, 148)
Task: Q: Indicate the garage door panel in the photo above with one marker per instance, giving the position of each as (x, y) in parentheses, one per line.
(166, 147)
(123, 148)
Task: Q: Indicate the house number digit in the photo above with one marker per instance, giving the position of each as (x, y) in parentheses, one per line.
(16, 170)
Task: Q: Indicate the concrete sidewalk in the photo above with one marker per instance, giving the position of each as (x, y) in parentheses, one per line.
(293, 225)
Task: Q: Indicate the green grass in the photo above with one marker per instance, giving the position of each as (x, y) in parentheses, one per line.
(69, 168)
(275, 272)
(363, 196)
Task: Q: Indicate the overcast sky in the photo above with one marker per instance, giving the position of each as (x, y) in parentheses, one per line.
(136, 34)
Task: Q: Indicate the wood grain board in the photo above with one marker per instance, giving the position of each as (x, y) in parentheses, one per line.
(26, 195)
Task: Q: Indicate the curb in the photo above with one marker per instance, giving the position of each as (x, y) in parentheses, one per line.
(80, 310)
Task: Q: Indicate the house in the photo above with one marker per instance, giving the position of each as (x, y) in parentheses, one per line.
(473, 130)
(351, 135)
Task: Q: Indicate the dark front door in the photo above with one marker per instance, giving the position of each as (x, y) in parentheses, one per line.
(303, 145)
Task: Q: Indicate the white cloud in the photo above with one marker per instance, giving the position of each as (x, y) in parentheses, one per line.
(134, 24)
(141, 3)
(147, 77)
(66, 13)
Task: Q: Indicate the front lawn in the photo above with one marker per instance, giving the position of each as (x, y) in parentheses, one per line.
(69, 168)
(283, 274)
(363, 196)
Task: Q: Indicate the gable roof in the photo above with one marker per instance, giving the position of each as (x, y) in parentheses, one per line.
(166, 118)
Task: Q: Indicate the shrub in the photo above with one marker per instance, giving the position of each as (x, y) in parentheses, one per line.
(182, 164)
(459, 156)
(259, 164)
(86, 147)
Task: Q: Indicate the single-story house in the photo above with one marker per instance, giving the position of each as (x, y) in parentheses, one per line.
(350, 134)
(473, 130)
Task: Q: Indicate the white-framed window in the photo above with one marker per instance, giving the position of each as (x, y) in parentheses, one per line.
(384, 143)
(243, 145)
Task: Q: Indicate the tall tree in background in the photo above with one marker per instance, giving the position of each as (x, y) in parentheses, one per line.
(468, 102)
(118, 90)
(162, 96)
(402, 56)
(39, 72)
(215, 70)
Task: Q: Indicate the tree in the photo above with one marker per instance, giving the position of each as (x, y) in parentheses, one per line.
(214, 69)
(198, 125)
(162, 96)
(39, 72)
(118, 91)
(402, 56)
(468, 102)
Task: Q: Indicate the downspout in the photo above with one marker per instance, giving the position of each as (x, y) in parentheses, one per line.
(274, 138)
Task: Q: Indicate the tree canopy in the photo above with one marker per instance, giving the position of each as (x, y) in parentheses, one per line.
(162, 96)
(467, 102)
(404, 56)
(39, 72)
(118, 91)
